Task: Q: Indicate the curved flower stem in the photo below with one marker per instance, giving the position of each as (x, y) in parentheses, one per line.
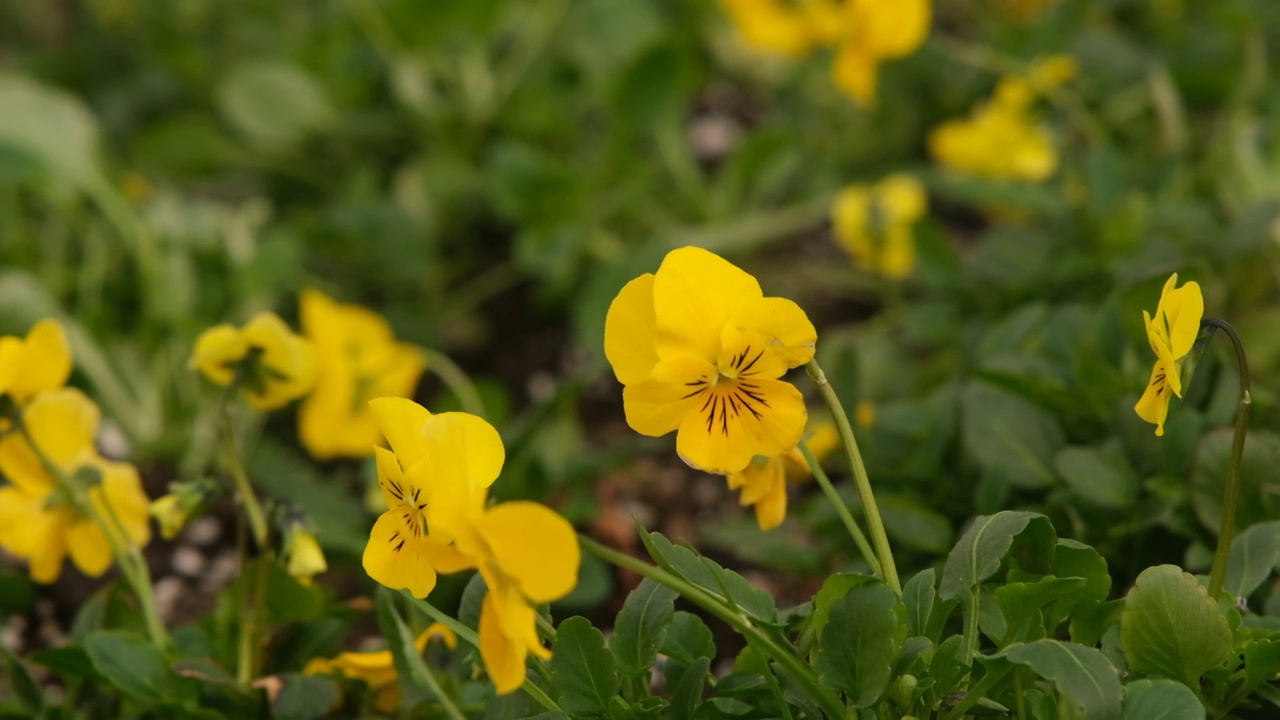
(469, 636)
(127, 554)
(874, 524)
(244, 490)
(1231, 494)
(796, 667)
(455, 379)
(842, 510)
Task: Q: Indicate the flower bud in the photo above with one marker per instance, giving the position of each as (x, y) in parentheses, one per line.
(305, 558)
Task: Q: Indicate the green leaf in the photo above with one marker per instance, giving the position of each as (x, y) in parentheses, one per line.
(136, 668)
(1161, 700)
(918, 597)
(642, 625)
(67, 660)
(1097, 476)
(687, 693)
(1171, 627)
(1075, 559)
(304, 697)
(1013, 440)
(1261, 661)
(1022, 602)
(978, 554)
(1078, 672)
(1257, 468)
(275, 104)
(833, 588)
(583, 669)
(709, 576)
(23, 685)
(51, 126)
(860, 641)
(917, 527)
(688, 639)
(1254, 554)
(411, 671)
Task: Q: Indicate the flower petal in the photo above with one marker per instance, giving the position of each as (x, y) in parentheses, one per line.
(901, 197)
(122, 488)
(694, 294)
(737, 421)
(1182, 309)
(854, 73)
(658, 404)
(88, 547)
(20, 525)
(1153, 406)
(503, 656)
(780, 323)
(468, 441)
(630, 330)
(216, 350)
(401, 422)
(45, 363)
(49, 545)
(535, 547)
(63, 424)
(394, 558)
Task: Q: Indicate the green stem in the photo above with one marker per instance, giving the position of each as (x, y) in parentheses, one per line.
(469, 636)
(869, 508)
(454, 379)
(445, 701)
(842, 509)
(978, 692)
(244, 490)
(775, 689)
(799, 670)
(127, 554)
(1231, 494)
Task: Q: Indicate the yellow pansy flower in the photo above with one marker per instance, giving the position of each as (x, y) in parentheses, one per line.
(700, 351)
(305, 558)
(1172, 333)
(358, 360)
(377, 669)
(1003, 139)
(276, 365)
(436, 480)
(37, 521)
(877, 30)
(763, 481)
(772, 26)
(39, 362)
(174, 510)
(874, 224)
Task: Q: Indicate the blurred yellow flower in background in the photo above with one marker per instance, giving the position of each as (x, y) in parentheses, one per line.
(358, 359)
(436, 480)
(39, 362)
(1172, 333)
(274, 365)
(1003, 138)
(1023, 11)
(764, 481)
(377, 669)
(38, 521)
(700, 351)
(874, 224)
(864, 33)
(305, 559)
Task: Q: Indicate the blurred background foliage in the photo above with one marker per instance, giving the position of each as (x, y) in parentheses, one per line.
(487, 174)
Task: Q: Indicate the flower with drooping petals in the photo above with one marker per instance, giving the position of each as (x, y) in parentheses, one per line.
(763, 481)
(38, 521)
(436, 480)
(1172, 333)
(37, 363)
(273, 364)
(377, 669)
(701, 351)
(874, 224)
(358, 359)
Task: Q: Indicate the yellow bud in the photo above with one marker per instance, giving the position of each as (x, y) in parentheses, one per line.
(169, 513)
(305, 557)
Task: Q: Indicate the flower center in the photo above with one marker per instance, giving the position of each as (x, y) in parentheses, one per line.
(410, 508)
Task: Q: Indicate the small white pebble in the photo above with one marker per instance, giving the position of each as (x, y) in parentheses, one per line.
(11, 634)
(187, 561)
(541, 386)
(220, 572)
(112, 441)
(203, 531)
(167, 591)
(713, 136)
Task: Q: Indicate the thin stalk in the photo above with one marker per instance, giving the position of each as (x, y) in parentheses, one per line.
(469, 636)
(776, 689)
(244, 630)
(548, 630)
(797, 668)
(842, 510)
(978, 692)
(869, 508)
(1231, 494)
(455, 379)
(127, 554)
(449, 708)
(244, 490)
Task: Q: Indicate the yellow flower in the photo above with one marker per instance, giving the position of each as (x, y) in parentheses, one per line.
(864, 413)
(1172, 333)
(358, 360)
(699, 351)
(877, 30)
(764, 480)
(41, 361)
(874, 224)
(435, 481)
(170, 515)
(306, 559)
(377, 669)
(274, 364)
(772, 26)
(1002, 139)
(174, 510)
(38, 521)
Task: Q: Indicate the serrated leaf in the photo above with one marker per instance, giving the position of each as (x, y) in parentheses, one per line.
(1171, 627)
(710, 576)
(687, 693)
(1078, 672)
(1161, 700)
(1261, 661)
(688, 639)
(303, 697)
(136, 668)
(641, 626)
(978, 554)
(860, 641)
(583, 669)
